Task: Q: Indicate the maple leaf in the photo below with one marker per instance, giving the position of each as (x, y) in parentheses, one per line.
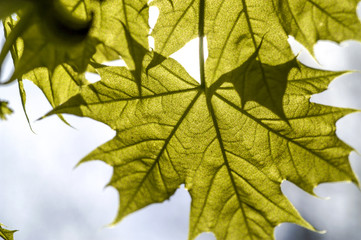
(232, 159)
(4, 110)
(6, 234)
(231, 139)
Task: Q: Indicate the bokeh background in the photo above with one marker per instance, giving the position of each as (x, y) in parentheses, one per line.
(45, 197)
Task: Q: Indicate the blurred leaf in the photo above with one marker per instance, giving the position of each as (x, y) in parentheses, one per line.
(50, 36)
(8, 7)
(42, 47)
(4, 110)
(57, 85)
(55, 48)
(6, 234)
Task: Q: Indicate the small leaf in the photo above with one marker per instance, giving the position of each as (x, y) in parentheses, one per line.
(58, 85)
(6, 234)
(4, 110)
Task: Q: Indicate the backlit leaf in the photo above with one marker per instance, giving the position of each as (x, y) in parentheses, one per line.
(177, 24)
(263, 83)
(231, 158)
(58, 85)
(232, 138)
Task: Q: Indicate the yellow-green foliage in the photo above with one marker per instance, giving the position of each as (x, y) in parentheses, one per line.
(232, 138)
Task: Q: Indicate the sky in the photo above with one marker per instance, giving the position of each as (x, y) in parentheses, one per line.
(45, 197)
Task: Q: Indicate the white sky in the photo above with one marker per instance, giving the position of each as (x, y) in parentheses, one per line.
(45, 198)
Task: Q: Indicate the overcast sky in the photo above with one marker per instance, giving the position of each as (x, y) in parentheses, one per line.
(44, 197)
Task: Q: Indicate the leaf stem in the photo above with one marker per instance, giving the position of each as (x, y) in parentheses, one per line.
(200, 36)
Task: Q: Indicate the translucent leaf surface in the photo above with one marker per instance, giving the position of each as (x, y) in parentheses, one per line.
(59, 85)
(312, 20)
(232, 158)
(232, 138)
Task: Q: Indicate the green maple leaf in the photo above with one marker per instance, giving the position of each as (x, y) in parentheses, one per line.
(6, 234)
(231, 158)
(233, 138)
